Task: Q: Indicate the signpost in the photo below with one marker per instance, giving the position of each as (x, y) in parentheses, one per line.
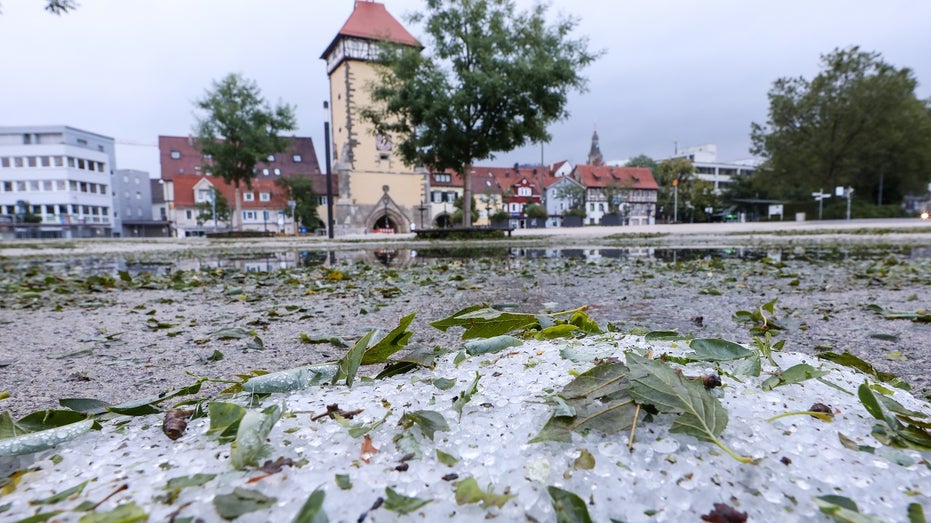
(842, 192)
(820, 197)
(775, 209)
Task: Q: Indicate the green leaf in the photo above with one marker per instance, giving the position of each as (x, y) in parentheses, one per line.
(444, 383)
(48, 419)
(468, 491)
(224, 420)
(348, 365)
(250, 437)
(485, 322)
(393, 342)
(569, 507)
(916, 513)
(447, 459)
(183, 482)
(361, 429)
(343, 481)
(843, 510)
(232, 333)
(402, 504)
(699, 413)
(241, 501)
(585, 461)
(85, 405)
(408, 445)
(291, 380)
(713, 349)
(490, 345)
(585, 323)
(795, 374)
(662, 336)
(597, 399)
(146, 406)
(900, 429)
(466, 395)
(564, 330)
(39, 518)
(312, 510)
(849, 360)
(61, 496)
(44, 439)
(332, 340)
(751, 366)
(429, 421)
(127, 513)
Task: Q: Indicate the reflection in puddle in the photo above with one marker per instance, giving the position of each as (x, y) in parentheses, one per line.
(272, 261)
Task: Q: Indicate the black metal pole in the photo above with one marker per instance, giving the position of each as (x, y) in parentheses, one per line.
(329, 174)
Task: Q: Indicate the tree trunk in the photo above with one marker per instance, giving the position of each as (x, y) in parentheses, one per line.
(237, 216)
(467, 196)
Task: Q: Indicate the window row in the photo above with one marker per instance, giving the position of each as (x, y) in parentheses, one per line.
(296, 158)
(443, 196)
(53, 186)
(23, 162)
(61, 209)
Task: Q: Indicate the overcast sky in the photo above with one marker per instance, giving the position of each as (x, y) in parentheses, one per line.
(689, 72)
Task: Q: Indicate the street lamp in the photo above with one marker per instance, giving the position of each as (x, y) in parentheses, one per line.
(329, 174)
(385, 188)
(675, 201)
(213, 203)
(422, 208)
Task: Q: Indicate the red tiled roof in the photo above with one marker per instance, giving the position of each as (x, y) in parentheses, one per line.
(184, 192)
(595, 176)
(370, 20)
(187, 169)
(190, 161)
(498, 179)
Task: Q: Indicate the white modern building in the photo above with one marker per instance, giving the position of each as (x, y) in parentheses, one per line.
(709, 169)
(56, 182)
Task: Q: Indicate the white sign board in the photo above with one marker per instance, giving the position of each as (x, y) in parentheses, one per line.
(775, 209)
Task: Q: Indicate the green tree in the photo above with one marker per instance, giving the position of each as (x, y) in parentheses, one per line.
(858, 123)
(239, 128)
(495, 79)
(457, 214)
(614, 195)
(642, 160)
(575, 193)
(674, 177)
(301, 190)
(535, 210)
(205, 209)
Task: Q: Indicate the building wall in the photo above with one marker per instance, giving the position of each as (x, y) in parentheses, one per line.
(132, 200)
(709, 169)
(65, 175)
(368, 163)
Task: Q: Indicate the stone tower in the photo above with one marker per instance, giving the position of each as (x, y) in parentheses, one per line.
(377, 192)
(594, 154)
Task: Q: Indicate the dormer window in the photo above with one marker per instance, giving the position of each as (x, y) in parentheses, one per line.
(271, 158)
(175, 155)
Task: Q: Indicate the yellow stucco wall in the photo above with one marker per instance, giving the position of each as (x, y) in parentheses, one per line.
(372, 167)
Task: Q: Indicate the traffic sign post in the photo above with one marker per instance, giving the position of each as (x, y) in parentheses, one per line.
(843, 192)
(820, 196)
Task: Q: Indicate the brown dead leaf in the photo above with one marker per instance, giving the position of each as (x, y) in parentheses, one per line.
(175, 423)
(724, 513)
(368, 450)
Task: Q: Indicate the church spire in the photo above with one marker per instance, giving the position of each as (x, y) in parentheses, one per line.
(594, 155)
